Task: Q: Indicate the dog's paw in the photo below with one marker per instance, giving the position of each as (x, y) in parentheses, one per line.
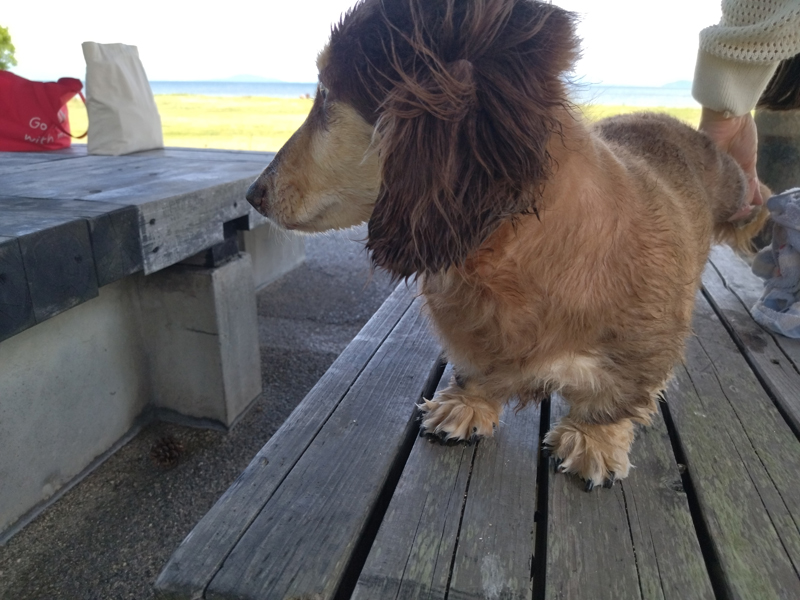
(453, 415)
(597, 453)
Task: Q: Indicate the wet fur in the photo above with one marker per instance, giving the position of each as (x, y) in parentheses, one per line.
(554, 254)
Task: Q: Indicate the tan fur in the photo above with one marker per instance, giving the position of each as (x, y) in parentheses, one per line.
(739, 236)
(588, 289)
(571, 370)
(620, 284)
(597, 452)
(463, 411)
(329, 178)
(604, 318)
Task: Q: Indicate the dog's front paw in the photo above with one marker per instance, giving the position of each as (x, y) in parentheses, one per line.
(597, 453)
(453, 415)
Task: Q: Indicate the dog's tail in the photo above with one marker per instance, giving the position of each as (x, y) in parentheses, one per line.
(743, 236)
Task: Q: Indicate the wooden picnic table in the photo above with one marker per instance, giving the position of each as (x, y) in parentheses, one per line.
(127, 294)
(346, 501)
(71, 223)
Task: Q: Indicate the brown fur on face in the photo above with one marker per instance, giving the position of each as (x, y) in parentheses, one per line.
(554, 255)
(335, 178)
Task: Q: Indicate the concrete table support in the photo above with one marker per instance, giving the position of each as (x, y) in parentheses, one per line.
(201, 333)
(71, 389)
(179, 344)
(124, 297)
(275, 252)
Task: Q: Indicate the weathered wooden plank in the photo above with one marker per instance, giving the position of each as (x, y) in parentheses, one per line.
(167, 179)
(186, 224)
(114, 230)
(183, 197)
(21, 216)
(60, 268)
(732, 290)
(744, 464)
(257, 161)
(16, 310)
(182, 203)
(40, 161)
(669, 560)
(12, 161)
(636, 540)
(204, 550)
(495, 545)
(412, 555)
(301, 543)
(20, 175)
(129, 180)
(34, 214)
(589, 547)
(116, 244)
(745, 285)
(213, 154)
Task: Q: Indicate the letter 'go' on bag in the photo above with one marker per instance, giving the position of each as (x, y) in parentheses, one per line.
(33, 114)
(123, 116)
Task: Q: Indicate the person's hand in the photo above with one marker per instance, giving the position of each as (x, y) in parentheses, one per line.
(737, 136)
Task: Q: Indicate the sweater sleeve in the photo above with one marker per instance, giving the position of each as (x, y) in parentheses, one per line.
(738, 57)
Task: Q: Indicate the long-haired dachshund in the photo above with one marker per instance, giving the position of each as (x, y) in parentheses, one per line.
(554, 254)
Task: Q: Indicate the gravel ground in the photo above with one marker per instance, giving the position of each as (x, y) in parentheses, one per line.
(109, 536)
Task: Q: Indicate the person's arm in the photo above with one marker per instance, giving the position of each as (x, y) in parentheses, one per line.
(738, 56)
(735, 62)
(737, 136)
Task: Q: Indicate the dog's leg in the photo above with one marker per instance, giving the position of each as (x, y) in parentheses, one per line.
(465, 410)
(594, 448)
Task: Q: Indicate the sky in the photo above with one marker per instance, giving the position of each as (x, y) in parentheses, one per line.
(625, 42)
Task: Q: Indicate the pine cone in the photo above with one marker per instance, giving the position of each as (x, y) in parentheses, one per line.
(166, 452)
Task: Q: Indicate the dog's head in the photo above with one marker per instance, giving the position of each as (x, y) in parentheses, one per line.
(431, 120)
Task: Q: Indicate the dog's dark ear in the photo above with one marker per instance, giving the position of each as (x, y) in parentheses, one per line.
(464, 126)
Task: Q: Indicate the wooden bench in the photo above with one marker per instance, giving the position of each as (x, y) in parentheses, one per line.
(345, 501)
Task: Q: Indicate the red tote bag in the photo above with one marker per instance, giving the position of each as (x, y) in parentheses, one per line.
(33, 114)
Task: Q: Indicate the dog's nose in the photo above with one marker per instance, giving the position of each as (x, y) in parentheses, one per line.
(255, 194)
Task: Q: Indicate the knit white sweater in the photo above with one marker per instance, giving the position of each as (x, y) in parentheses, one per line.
(738, 56)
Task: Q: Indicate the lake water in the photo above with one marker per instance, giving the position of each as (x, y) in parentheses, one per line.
(635, 96)
(234, 88)
(594, 94)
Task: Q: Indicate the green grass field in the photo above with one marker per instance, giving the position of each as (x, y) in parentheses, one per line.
(688, 115)
(230, 123)
(258, 123)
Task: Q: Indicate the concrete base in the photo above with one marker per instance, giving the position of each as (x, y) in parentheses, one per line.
(183, 341)
(69, 389)
(275, 252)
(202, 339)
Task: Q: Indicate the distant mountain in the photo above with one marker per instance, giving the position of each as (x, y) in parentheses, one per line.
(680, 85)
(251, 79)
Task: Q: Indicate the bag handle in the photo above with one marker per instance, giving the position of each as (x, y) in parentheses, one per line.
(45, 101)
(64, 131)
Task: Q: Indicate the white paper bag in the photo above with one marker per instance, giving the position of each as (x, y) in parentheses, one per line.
(123, 117)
